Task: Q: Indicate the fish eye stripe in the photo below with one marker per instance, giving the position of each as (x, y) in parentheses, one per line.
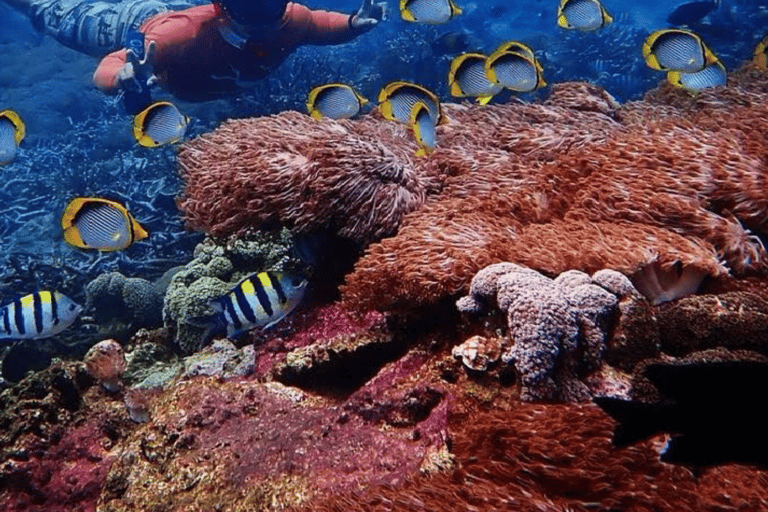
(37, 311)
(278, 287)
(261, 295)
(18, 316)
(245, 307)
(54, 309)
(6, 320)
(230, 309)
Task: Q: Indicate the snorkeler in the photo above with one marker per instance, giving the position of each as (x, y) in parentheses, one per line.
(195, 52)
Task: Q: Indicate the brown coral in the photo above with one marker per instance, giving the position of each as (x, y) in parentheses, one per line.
(105, 362)
(667, 193)
(343, 176)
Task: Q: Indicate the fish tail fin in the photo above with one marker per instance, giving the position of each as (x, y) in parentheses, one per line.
(213, 324)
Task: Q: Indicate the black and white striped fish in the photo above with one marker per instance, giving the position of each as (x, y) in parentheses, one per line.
(260, 300)
(37, 315)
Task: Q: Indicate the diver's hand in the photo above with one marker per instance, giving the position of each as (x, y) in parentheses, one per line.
(369, 15)
(136, 75)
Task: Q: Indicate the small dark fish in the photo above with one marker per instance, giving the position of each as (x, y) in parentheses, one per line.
(691, 12)
(159, 124)
(337, 101)
(708, 407)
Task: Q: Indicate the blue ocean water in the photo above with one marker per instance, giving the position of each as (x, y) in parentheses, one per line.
(79, 141)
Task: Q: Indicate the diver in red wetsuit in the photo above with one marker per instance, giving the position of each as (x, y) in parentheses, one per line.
(196, 52)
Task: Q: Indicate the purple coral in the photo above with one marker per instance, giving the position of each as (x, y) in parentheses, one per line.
(558, 327)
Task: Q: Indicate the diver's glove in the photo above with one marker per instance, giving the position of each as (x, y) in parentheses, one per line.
(136, 75)
(368, 15)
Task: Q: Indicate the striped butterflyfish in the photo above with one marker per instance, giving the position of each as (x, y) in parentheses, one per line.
(159, 124)
(424, 129)
(428, 11)
(467, 78)
(100, 224)
(674, 49)
(514, 71)
(712, 75)
(260, 300)
(37, 315)
(396, 99)
(334, 100)
(12, 131)
(582, 14)
(760, 56)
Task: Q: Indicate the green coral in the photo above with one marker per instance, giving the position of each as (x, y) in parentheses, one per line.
(214, 270)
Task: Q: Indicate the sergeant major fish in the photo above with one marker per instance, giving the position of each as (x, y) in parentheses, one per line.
(260, 300)
(37, 315)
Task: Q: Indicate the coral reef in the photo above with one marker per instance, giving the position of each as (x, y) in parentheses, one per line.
(105, 362)
(214, 270)
(558, 328)
(345, 177)
(578, 182)
(122, 305)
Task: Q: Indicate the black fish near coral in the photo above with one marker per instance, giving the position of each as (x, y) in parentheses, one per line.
(100, 224)
(37, 315)
(12, 131)
(424, 129)
(691, 12)
(259, 301)
(514, 71)
(713, 75)
(709, 407)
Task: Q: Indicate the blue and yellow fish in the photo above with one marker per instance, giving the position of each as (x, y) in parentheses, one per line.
(674, 49)
(100, 224)
(514, 71)
(428, 11)
(38, 315)
(159, 124)
(12, 131)
(713, 75)
(396, 99)
(334, 100)
(760, 56)
(260, 300)
(582, 15)
(467, 78)
(424, 129)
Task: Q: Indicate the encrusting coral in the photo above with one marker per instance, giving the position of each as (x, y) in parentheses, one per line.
(558, 328)
(105, 361)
